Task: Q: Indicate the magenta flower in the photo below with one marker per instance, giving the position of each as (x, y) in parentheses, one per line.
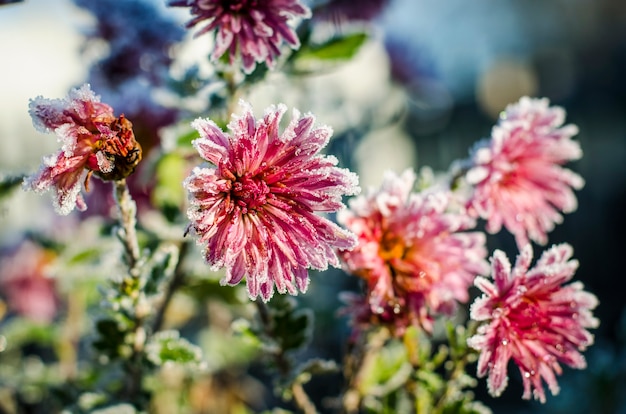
(411, 252)
(26, 284)
(94, 141)
(518, 178)
(254, 29)
(531, 318)
(255, 207)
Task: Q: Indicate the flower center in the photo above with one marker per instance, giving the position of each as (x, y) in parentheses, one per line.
(249, 193)
(238, 5)
(392, 248)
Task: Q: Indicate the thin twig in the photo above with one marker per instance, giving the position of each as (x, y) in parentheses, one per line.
(175, 283)
(357, 364)
(300, 397)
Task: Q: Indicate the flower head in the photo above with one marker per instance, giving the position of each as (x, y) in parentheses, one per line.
(253, 29)
(255, 207)
(518, 178)
(531, 318)
(94, 141)
(411, 251)
(26, 284)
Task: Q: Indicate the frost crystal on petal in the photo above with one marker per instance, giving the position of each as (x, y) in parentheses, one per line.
(254, 209)
(413, 253)
(253, 30)
(531, 318)
(92, 139)
(518, 178)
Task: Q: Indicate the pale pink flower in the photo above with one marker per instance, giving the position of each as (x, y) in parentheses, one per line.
(26, 284)
(255, 207)
(531, 318)
(93, 141)
(253, 29)
(411, 251)
(518, 178)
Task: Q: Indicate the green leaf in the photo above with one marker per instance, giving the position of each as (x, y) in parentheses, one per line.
(292, 327)
(168, 347)
(9, 183)
(110, 339)
(186, 139)
(335, 49)
(170, 173)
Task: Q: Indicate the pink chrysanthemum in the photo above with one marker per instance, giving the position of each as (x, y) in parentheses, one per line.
(411, 251)
(94, 141)
(255, 209)
(518, 178)
(26, 284)
(254, 29)
(532, 319)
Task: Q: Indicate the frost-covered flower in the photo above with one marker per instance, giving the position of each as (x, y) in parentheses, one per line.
(531, 318)
(411, 251)
(518, 178)
(254, 209)
(26, 284)
(253, 29)
(94, 141)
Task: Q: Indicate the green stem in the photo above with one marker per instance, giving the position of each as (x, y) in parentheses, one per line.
(357, 364)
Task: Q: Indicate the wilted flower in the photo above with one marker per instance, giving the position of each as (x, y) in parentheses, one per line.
(26, 284)
(411, 251)
(517, 175)
(254, 29)
(94, 141)
(532, 319)
(255, 208)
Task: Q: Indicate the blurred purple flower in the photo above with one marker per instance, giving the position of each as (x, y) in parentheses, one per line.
(139, 37)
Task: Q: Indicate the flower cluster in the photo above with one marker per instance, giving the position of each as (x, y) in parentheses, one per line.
(412, 252)
(532, 319)
(518, 178)
(261, 204)
(254, 209)
(252, 29)
(94, 141)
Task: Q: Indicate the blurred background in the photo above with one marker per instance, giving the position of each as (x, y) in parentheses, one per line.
(430, 81)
